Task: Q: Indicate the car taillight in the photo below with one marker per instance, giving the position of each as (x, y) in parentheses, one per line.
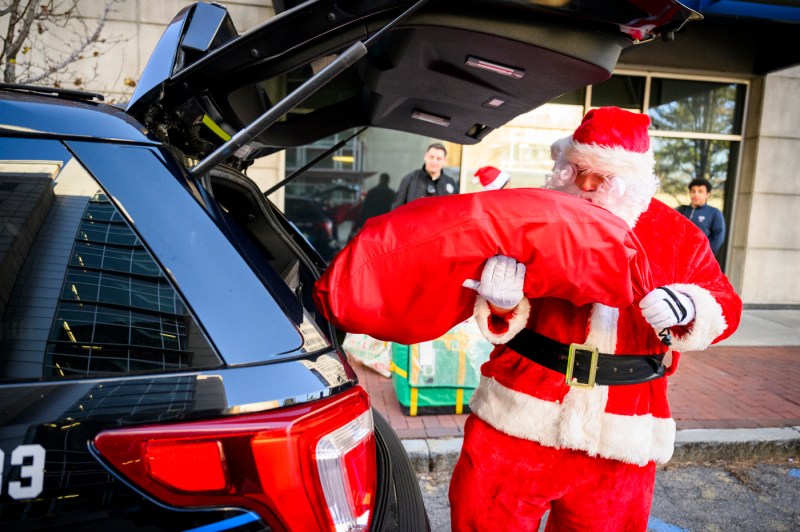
(347, 484)
(326, 227)
(307, 467)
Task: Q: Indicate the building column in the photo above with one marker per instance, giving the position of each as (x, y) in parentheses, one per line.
(766, 227)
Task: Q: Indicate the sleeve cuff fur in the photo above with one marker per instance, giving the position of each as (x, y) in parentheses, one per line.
(709, 321)
(516, 319)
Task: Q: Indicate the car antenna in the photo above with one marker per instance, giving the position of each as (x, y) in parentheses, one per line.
(347, 58)
(312, 163)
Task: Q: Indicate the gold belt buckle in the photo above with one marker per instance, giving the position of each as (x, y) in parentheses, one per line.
(575, 383)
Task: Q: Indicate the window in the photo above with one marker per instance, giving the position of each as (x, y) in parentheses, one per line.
(117, 312)
(622, 91)
(81, 293)
(696, 127)
(696, 106)
(522, 147)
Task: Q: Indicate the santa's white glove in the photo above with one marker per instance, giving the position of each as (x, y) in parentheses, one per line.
(665, 307)
(501, 282)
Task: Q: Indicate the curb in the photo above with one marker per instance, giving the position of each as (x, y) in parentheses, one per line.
(701, 445)
(691, 445)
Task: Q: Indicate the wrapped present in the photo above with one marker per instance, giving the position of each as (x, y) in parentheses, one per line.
(369, 352)
(439, 376)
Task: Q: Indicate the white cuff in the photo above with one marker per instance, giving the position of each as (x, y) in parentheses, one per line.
(709, 321)
(518, 321)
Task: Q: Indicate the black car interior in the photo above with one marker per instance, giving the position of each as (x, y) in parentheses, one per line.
(446, 72)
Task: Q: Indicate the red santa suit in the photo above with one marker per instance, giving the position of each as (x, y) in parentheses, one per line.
(534, 443)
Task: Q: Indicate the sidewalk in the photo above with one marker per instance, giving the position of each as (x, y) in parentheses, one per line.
(737, 398)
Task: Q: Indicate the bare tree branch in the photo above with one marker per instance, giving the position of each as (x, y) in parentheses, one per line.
(84, 44)
(11, 47)
(33, 27)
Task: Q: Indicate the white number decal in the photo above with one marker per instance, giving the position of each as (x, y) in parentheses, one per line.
(33, 472)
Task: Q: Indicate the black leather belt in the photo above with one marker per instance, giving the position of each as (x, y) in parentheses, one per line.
(583, 365)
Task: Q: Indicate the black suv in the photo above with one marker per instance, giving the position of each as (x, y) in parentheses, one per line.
(162, 365)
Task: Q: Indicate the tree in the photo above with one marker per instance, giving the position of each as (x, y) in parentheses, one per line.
(705, 109)
(49, 42)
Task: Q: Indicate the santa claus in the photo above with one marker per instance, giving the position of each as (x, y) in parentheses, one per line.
(571, 414)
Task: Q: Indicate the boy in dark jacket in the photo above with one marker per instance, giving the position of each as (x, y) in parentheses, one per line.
(706, 217)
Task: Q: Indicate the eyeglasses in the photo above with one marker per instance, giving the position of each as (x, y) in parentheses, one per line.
(431, 190)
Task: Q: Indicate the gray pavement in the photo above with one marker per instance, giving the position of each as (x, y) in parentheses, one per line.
(759, 495)
(758, 328)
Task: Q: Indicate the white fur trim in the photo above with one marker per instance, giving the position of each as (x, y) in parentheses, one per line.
(580, 426)
(603, 328)
(515, 413)
(625, 437)
(609, 161)
(517, 322)
(577, 424)
(709, 321)
(499, 181)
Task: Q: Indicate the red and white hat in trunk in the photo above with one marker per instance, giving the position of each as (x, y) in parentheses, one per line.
(492, 178)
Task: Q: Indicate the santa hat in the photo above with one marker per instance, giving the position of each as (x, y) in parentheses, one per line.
(492, 178)
(611, 142)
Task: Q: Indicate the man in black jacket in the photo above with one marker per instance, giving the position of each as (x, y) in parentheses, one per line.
(378, 201)
(428, 180)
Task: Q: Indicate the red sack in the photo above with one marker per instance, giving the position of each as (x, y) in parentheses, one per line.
(400, 278)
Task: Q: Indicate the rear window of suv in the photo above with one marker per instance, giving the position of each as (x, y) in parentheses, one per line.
(80, 295)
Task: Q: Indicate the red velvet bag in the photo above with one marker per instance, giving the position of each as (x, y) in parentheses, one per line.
(400, 278)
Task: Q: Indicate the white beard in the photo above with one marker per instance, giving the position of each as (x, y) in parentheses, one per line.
(627, 198)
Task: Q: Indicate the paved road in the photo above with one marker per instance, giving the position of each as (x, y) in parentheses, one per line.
(759, 496)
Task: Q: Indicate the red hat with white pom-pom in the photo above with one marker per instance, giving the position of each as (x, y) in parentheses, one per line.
(492, 178)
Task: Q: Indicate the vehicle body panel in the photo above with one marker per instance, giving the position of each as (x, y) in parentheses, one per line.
(80, 493)
(45, 116)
